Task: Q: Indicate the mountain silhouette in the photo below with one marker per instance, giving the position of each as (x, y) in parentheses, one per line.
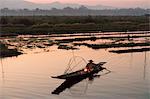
(21, 4)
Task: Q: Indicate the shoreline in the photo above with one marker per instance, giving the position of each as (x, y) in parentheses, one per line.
(88, 33)
(130, 50)
(10, 46)
(7, 52)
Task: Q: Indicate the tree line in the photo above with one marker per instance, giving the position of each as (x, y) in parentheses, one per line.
(71, 24)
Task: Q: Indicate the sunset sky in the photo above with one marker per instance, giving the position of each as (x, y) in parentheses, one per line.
(116, 3)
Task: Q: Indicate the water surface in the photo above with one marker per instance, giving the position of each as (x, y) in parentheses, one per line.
(28, 76)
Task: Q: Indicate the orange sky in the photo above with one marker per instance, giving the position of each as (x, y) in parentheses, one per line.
(116, 3)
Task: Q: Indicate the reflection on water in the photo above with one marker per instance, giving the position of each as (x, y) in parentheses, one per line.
(2, 70)
(28, 76)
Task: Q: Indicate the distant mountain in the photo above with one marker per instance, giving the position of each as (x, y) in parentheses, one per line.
(81, 11)
(100, 7)
(20, 4)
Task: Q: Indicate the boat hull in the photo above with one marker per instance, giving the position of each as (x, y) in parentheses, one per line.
(81, 73)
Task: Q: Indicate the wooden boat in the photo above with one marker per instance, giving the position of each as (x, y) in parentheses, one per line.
(82, 73)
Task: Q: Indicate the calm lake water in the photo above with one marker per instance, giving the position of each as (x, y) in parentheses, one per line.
(28, 76)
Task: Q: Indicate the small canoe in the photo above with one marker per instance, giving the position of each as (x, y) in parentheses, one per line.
(82, 73)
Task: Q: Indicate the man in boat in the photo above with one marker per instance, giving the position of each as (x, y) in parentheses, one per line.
(90, 66)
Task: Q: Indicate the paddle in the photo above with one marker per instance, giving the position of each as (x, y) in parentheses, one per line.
(107, 69)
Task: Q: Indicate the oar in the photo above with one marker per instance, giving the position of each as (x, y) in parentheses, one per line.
(107, 69)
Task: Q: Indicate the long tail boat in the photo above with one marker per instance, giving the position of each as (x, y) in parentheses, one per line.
(82, 73)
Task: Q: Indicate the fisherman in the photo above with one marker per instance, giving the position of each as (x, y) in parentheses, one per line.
(90, 66)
